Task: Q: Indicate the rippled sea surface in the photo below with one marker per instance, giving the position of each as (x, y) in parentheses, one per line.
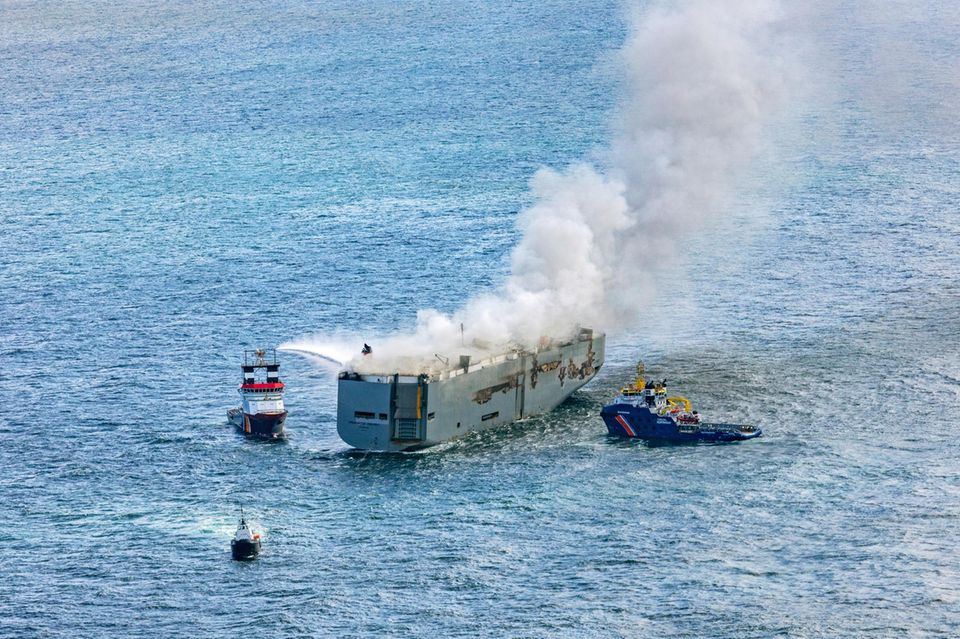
(181, 181)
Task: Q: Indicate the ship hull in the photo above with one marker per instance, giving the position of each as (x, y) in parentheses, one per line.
(262, 425)
(245, 549)
(392, 413)
(625, 420)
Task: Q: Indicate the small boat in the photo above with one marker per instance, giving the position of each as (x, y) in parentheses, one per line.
(246, 543)
(261, 413)
(644, 411)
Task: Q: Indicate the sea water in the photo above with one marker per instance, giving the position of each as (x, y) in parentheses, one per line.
(181, 181)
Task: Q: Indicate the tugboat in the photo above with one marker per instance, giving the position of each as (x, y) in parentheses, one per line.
(246, 544)
(261, 413)
(644, 411)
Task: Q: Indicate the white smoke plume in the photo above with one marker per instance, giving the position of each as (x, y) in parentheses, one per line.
(701, 78)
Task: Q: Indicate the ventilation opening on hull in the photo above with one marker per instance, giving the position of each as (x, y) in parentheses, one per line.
(407, 429)
(364, 415)
(489, 416)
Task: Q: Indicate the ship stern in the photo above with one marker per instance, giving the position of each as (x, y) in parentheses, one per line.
(381, 413)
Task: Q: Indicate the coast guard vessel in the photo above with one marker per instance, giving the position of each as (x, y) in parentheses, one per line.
(433, 402)
(261, 413)
(643, 410)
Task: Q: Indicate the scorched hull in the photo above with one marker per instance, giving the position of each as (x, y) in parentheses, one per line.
(394, 412)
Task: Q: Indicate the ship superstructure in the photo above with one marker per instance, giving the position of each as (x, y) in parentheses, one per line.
(393, 410)
(261, 413)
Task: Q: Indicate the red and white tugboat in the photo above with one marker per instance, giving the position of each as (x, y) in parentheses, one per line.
(262, 413)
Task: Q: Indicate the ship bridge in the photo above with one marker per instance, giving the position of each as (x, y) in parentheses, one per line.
(261, 371)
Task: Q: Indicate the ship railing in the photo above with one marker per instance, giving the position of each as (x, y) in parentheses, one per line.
(260, 357)
(450, 373)
(583, 336)
(440, 374)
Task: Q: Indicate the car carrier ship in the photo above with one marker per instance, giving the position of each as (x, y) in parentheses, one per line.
(396, 410)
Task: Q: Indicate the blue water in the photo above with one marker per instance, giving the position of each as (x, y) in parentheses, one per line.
(182, 181)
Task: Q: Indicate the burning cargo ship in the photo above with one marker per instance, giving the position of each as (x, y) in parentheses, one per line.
(403, 410)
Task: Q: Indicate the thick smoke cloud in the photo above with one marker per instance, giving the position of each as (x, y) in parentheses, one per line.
(700, 79)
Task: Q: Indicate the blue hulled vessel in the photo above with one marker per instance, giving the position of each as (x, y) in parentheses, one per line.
(644, 411)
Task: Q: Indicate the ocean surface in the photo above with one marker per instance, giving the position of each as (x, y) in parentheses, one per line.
(180, 181)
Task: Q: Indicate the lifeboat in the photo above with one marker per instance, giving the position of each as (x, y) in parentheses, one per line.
(246, 543)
